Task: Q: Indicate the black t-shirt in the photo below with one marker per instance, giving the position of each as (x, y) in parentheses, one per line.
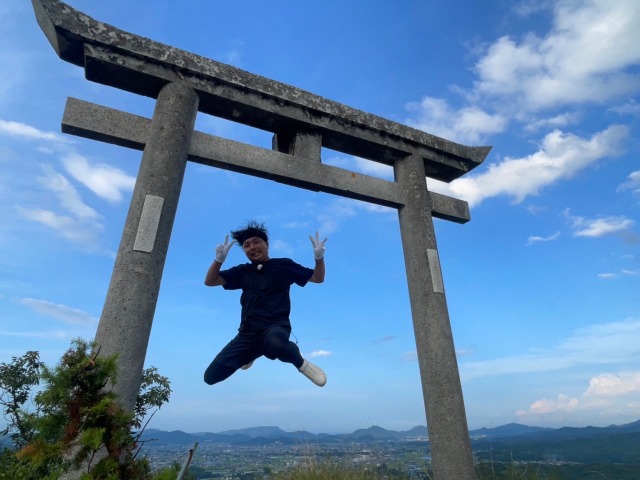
(265, 293)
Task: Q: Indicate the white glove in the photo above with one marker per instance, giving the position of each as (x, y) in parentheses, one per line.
(223, 249)
(318, 246)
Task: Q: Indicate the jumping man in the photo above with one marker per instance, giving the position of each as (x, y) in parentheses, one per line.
(264, 324)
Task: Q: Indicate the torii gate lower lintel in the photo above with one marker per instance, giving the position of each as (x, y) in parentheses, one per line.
(302, 168)
(302, 123)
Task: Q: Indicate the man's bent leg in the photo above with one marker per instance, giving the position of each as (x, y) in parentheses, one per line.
(277, 345)
(237, 353)
(216, 373)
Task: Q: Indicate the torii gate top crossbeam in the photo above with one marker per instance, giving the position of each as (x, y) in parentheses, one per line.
(237, 95)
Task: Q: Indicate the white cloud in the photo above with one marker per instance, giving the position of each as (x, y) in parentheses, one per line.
(339, 161)
(632, 183)
(611, 276)
(599, 226)
(584, 58)
(21, 130)
(588, 56)
(607, 276)
(281, 247)
(68, 227)
(233, 57)
(603, 340)
(535, 239)
(410, 356)
(560, 156)
(535, 209)
(367, 167)
(375, 169)
(468, 125)
(579, 61)
(67, 195)
(555, 122)
(612, 385)
(546, 405)
(49, 218)
(65, 314)
(80, 223)
(336, 212)
(461, 352)
(296, 224)
(629, 108)
(607, 394)
(599, 344)
(525, 8)
(104, 180)
(320, 353)
(373, 208)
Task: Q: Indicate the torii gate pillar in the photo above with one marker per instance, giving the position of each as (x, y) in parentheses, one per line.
(443, 400)
(125, 323)
(302, 123)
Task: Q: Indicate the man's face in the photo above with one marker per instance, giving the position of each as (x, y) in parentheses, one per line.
(256, 249)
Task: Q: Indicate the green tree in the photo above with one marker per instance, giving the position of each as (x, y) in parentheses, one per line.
(16, 381)
(76, 424)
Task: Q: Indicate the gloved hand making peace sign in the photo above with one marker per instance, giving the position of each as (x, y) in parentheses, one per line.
(223, 249)
(318, 246)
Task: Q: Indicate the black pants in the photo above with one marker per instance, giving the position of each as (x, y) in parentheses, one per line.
(273, 343)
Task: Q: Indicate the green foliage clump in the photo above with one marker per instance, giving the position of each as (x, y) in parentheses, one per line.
(16, 381)
(76, 424)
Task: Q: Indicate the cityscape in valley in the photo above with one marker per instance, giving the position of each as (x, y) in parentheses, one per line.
(261, 451)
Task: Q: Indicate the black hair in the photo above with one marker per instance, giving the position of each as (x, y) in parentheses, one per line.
(253, 229)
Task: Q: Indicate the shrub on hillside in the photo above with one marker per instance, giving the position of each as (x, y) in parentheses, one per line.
(73, 423)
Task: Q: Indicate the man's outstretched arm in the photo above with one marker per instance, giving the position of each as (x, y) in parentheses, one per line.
(318, 253)
(213, 277)
(318, 272)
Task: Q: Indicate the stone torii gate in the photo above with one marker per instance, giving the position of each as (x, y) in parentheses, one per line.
(302, 123)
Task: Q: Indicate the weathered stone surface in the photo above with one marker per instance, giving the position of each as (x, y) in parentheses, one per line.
(446, 418)
(137, 64)
(301, 169)
(129, 308)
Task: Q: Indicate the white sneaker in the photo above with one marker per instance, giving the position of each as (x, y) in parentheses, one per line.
(313, 373)
(247, 366)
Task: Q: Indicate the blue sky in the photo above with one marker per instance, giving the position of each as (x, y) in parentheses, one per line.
(542, 284)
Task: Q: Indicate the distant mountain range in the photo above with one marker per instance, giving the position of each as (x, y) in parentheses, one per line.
(503, 434)
(615, 444)
(269, 435)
